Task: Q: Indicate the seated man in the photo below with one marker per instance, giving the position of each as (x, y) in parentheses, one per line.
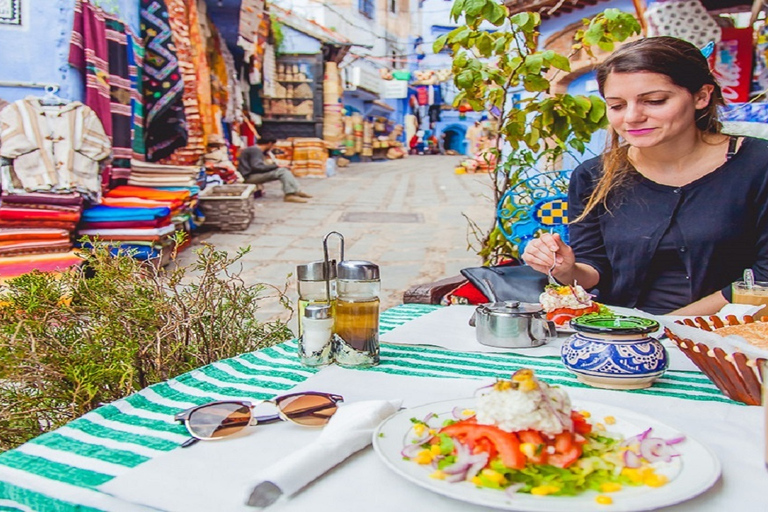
(256, 165)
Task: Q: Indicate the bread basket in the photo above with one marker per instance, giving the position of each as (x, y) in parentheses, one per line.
(737, 375)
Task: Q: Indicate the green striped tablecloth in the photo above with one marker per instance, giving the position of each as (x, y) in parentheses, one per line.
(52, 471)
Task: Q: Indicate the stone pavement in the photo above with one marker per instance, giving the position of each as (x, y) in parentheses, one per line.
(404, 215)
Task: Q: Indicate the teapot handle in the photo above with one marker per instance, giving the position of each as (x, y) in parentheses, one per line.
(549, 329)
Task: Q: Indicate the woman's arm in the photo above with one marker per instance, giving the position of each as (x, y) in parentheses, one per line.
(708, 305)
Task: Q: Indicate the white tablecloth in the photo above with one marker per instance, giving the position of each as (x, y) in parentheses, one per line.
(211, 475)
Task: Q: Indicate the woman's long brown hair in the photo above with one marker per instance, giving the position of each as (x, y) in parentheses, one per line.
(685, 66)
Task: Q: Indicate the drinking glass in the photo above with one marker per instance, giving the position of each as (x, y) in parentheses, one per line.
(756, 295)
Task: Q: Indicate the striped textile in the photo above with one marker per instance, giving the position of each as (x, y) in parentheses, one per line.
(62, 469)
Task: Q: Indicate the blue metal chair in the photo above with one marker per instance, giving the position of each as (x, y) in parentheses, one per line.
(534, 205)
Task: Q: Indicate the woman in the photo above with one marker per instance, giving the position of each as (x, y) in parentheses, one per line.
(674, 210)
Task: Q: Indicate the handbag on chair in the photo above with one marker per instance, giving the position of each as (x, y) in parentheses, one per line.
(507, 282)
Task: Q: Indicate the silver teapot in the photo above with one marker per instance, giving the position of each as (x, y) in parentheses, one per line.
(512, 324)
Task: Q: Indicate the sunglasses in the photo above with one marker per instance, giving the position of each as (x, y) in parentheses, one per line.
(216, 420)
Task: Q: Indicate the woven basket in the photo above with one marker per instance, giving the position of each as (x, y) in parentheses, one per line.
(736, 375)
(228, 207)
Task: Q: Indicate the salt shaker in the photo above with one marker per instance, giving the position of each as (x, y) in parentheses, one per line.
(317, 285)
(316, 341)
(356, 328)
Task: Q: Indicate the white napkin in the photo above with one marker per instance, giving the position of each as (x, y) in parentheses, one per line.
(349, 430)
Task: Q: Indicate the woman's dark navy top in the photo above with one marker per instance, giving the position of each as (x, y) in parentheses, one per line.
(712, 229)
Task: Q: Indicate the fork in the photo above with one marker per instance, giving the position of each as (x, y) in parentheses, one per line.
(550, 277)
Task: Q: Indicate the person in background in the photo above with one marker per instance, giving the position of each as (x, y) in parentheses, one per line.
(473, 135)
(674, 210)
(257, 165)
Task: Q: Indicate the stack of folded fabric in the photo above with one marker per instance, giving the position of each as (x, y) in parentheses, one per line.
(140, 231)
(37, 224)
(146, 174)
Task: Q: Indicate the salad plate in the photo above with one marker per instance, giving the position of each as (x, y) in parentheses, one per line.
(690, 474)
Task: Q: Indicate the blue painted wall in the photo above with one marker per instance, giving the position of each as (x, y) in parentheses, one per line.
(296, 42)
(38, 50)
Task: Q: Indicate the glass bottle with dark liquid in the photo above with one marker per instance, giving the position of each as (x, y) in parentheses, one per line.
(356, 324)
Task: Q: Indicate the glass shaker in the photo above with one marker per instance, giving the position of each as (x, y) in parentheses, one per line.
(317, 285)
(316, 342)
(357, 314)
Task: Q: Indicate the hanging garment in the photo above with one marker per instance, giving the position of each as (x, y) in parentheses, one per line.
(179, 21)
(135, 64)
(88, 52)
(422, 95)
(120, 97)
(434, 113)
(53, 148)
(162, 85)
(684, 19)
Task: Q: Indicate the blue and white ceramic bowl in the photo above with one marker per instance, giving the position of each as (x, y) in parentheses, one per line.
(615, 352)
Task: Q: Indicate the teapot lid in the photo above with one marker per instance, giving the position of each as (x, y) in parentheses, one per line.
(510, 308)
(609, 324)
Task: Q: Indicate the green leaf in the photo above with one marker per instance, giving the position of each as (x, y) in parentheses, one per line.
(583, 104)
(597, 112)
(560, 62)
(474, 7)
(498, 14)
(611, 14)
(606, 46)
(457, 9)
(439, 43)
(593, 35)
(534, 63)
(465, 79)
(535, 83)
(521, 19)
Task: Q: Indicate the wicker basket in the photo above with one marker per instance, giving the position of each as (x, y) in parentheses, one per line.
(228, 207)
(736, 375)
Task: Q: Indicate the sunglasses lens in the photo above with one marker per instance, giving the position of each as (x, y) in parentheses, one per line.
(308, 410)
(219, 420)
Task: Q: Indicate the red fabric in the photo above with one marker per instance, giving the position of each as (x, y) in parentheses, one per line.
(422, 95)
(35, 214)
(471, 293)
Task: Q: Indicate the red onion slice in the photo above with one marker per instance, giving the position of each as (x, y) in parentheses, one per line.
(654, 449)
(632, 460)
(676, 440)
(411, 450)
(511, 491)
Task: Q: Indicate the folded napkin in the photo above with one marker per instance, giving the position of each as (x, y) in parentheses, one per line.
(350, 430)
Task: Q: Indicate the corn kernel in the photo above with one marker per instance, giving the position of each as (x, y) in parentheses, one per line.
(435, 449)
(543, 490)
(655, 480)
(603, 500)
(494, 476)
(610, 420)
(502, 385)
(527, 385)
(438, 475)
(419, 429)
(423, 457)
(467, 412)
(610, 487)
(600, 426)
(477, 481)
(586, 414)
(633, 474)
(528, 449)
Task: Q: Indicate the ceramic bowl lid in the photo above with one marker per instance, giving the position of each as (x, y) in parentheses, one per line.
(606, 324)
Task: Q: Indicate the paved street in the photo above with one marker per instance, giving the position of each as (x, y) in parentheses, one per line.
(404, 215)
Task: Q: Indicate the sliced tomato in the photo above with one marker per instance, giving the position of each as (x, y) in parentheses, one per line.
(563, 460)
(506, 443)
(580, 423)
(563, 442)
(562, 315)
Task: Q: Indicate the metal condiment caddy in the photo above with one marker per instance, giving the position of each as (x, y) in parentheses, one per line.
(341, 324)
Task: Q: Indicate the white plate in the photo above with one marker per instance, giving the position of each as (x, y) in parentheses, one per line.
(695, 471)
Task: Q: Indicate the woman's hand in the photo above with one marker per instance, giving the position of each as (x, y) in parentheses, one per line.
(542, 252)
